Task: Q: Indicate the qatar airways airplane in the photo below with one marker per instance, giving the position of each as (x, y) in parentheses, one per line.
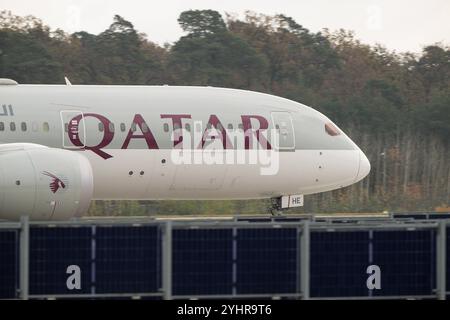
(62, 146)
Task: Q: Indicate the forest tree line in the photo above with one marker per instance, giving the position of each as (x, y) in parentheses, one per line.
(395, 106)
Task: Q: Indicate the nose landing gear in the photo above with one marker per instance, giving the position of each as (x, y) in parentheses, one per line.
(275, 208)
(280, 204)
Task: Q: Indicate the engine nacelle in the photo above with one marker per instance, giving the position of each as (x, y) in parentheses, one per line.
(43, 183)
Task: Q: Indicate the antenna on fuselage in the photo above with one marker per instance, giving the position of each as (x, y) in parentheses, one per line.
(67, 81)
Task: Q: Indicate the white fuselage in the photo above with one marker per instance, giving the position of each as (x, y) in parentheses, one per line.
(130, 134)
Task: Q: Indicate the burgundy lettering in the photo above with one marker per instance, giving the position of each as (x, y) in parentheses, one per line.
(215, 122)
(248, 131)
(146, 133)
(177, 126)
(108, 135)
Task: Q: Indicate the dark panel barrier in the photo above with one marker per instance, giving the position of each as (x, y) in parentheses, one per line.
(422, 215)
(435, 216)
(9, 258)
(52, 250)
(285, 219)
(128, 259)
(202, 261)
(267, 261)
(257, 220)
(447, 256)
(339, 261)
(226, 261)
(407, 260)
(418, 216)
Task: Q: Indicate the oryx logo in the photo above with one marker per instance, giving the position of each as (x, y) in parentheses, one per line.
(56, 183)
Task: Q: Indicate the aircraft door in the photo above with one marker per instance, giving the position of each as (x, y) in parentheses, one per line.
(282, 122)
(73, 129)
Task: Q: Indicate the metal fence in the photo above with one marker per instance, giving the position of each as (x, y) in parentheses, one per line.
(288, 258)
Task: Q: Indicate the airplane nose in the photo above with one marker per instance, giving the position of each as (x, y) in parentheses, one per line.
(364, 167)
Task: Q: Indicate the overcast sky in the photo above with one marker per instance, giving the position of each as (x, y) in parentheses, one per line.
(401, 25)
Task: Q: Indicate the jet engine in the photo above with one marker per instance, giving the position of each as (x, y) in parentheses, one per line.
(43, 183)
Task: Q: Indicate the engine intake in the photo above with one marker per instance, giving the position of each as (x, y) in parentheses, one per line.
(43, 183)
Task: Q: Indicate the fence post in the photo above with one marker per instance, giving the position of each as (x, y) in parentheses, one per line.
(304, 260)
(167, 260)
(24, 257)
(441, 260)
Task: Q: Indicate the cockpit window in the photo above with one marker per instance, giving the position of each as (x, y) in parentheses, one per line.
(331, 129)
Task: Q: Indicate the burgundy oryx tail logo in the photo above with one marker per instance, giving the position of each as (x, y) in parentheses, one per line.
(56, 182)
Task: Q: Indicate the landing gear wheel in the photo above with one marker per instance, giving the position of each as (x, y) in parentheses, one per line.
(275, 207)
(279, 204)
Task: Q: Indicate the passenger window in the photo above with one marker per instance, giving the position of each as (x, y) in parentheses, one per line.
(12, 126)
(2, 126)
(187, 126)
(241, 126)
(111, 127)
(122, 127)
(144, 127)
(101, 127)
(23, 126)
(230, 126)
(45, 127)
(133, 127)
(66, 127)
(166, 127)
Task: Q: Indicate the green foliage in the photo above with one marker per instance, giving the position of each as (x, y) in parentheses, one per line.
(119, 56)
(26, 59)
(434, 67)
(435, 114)
(199, 23)
(216, 59)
